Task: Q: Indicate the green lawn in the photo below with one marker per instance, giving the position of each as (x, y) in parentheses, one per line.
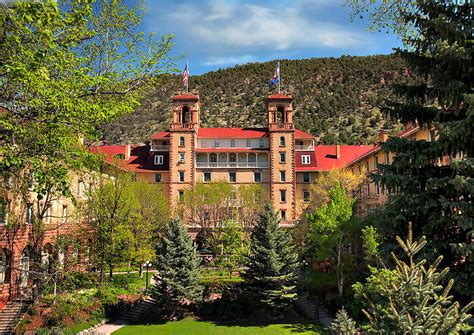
(194, 327)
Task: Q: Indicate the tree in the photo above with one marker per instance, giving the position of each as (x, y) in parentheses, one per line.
(411, 298)
(231, 245)
(177, 277)
(431, 181)
(65, 69)
(331, 226)
(343, 324)
(148, 215)
(252, 199)
(272, 263)
(108, 211)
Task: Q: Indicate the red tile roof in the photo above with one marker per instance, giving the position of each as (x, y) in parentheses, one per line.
(302, 134)
(186, 97)
(163, 134)
(232, 132)
(140, 159)
(323, 158)
(280, 96)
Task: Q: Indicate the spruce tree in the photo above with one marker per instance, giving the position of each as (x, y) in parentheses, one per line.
(343, 324)
(177, 277)
(431, 181)
(412, 300)
(271, 266)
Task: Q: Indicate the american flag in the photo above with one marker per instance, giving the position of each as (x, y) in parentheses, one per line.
(185, 77)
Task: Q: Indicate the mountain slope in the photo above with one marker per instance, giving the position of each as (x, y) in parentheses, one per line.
(334, 98)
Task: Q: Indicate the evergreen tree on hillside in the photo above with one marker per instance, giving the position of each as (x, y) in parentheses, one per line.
(177, 277)
(272, 263)
(432, 181)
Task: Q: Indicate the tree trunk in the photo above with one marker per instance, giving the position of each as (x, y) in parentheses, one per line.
(340, 275)
(140, 271)
(111, 272)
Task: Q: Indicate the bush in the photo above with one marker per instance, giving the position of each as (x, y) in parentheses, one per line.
(79, 280)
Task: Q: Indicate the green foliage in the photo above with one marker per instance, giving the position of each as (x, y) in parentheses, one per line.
(370, 242)
(334, 98)
(330, 227)
(78, 280)
(411, 298)
(177, 265)
(431, 181)
(272, 263)
(343, 324)
(231, 246)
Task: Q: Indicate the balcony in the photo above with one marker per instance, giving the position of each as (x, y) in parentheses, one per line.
(159, 147)
(304, 147)
(242, 165)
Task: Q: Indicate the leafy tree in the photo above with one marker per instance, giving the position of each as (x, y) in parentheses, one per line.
(177, 277)
(331, 226)
(343, 324)
(431, 181)
(108, 212)
(272, 263)
(148, 215)
(252, 199)
(231, 245)
(411, 299)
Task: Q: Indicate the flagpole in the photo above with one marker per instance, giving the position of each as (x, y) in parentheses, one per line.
(279, 81)
(187, 81)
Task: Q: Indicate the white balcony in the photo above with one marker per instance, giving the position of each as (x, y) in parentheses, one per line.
(241, 165)
(304, 147)
(160, 147)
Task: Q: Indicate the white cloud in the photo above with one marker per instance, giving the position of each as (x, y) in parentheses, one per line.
(231, 60)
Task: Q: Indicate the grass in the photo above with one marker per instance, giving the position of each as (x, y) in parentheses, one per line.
(195, 327)
(131, 281)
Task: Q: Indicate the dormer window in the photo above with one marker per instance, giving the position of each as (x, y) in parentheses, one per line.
(282, 141)
(305, 159)
(159, 160)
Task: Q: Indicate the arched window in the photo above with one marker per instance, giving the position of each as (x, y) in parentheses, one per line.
(232, 158)
(185, 114)
(281, 114)
(24, 266)
(3, 266)
(282, 141)
(181, 141)
(213, 158)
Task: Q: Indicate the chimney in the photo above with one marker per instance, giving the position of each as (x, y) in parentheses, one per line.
(338, 151)
(128, 149)
(383, 136)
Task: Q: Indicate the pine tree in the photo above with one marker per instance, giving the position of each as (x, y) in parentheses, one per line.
(431, 181)
(272, 264)
(413, 300)
(343, 324)
(177, 277)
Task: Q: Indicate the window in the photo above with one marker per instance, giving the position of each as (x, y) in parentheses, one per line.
(257, 177)
(207, 177)
(216, 144)
(29, 213)
(282, 175)
(368, 189)
(282, 157)
(376, 162)
(283, 214)
(282, 195)
(232, 143)
(3, 266)
(181, 141)
(306, 177)
(367, 166)
(47, 215)
(159, 160)
(64, 214)
(180, 196)
(305, 159)
(181, 176)
(282, 141)
(377, 189)
(3, 212)
(261, 143)
(181, 157)
(386, 158)
(248, 143)
(157, 177)
(232, 177)
(306, 196)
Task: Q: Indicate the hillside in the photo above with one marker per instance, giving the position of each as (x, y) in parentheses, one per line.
(334, 98)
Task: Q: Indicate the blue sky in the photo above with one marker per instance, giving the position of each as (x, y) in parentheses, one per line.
(215, 34)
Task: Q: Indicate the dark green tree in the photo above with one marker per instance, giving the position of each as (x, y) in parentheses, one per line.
(272, 263)
(343, 324)
(177, 277)
(411, 299)
(431, 181)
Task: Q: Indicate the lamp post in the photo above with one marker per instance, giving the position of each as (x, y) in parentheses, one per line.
(147, 265)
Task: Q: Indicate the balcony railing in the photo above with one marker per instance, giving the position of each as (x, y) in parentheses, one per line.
(304, 147)
(232, 164)
(156, 147)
